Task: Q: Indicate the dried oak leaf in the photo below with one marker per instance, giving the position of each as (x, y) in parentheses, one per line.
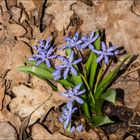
(11, 58)
(29, 5)
(7, 116)
(61, 12)
(16, 13)
(2, 90)
(28, 100)
(116, 18)
(7, 131)
(39, 132)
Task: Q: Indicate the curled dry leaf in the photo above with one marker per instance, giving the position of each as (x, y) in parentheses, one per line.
(29, 5)
(39, 132)
(28, 100)
(16, 13)
(6, 116)
(11, 62)
(7, 131)
(61, 12)
(2, 90)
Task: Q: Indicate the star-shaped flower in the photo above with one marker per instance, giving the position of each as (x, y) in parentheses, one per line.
(66, 115)
(72, 42)
(105, 52)
(74, 93)
(67, 64)
(88, 40)
(45, 53)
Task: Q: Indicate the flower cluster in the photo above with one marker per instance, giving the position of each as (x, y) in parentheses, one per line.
(70, 67)
(66, 66)
(45, 53)
(74, 96)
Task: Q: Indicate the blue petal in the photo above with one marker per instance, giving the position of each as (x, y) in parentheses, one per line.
(60, 67)
(57, 77)
(67, 122)
(72, 129)
(91, 35)
(71, 56)
(39, 62)
(79, 100)
(106, 59)
(103, 46)
(69, 105)
(60, 119)
(64, 95)
(48, 63)
(77, 61)
(99, 58)
(95, 38)
(66, 73)
(52, 57)
(110, 53)
(77, 88)
(81, 92)
(73, 71)
(111, 49)
(50, 51)
(80, 128)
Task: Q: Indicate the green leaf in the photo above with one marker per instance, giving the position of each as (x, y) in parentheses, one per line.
(42, 65)
(37, 70)
(101, 120)
(93, 65)
(42, 73)
(109, 95)
(88, 63)
(108, 78)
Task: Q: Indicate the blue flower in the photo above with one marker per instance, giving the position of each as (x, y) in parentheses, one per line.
(79, 128)
(74, 93)
(105, 53)
(67, 114)
(72, 42)
(45, 53)
(67, 64)
(56, 74)
(88, 40)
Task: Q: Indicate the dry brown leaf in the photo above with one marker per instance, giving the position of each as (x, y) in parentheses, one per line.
(6, 116)
(16, 13)
(116, 18)
(2, 91)
(29, 5)
(91, 135)
(27, 100)
(11, 61)
(61, 12)
(7, 131)
(39, 132)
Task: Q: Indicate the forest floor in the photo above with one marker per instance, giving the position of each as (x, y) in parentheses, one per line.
(22, 24)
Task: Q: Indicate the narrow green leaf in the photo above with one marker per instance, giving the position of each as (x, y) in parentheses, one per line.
(108, 78)
(101, 120)
(44, 74)
(37, 70)
(94, 64)
(109, 95)
(88, 63)
(42, 65)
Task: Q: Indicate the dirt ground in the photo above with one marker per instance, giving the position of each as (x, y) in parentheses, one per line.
(26, 109)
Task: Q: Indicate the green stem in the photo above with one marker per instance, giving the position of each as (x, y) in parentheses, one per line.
(90, 92)
(98, 78)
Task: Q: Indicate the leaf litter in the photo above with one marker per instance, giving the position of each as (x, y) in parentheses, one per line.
(20, 23)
